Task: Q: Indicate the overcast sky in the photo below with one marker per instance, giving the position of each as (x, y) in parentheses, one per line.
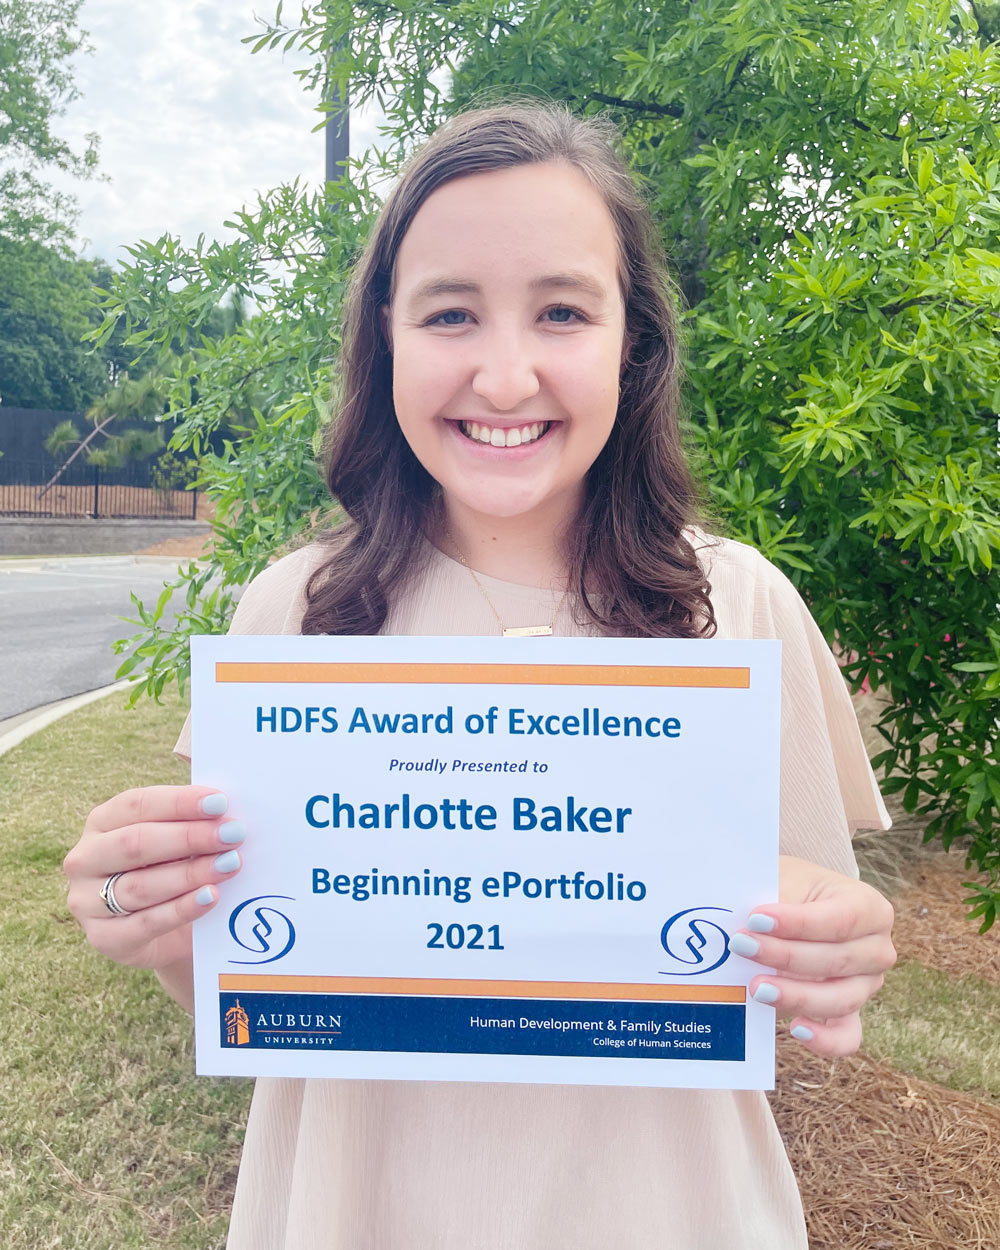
(192, 124)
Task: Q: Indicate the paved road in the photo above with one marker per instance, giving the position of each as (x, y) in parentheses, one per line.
(58, 619)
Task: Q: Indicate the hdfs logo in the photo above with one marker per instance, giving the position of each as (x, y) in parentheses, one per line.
(263, 930)
(689, 938)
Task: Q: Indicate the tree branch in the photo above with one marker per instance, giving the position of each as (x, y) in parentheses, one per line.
(637, 106)
(890, 310)
(897, 138)
(939, 239)
(860, 125)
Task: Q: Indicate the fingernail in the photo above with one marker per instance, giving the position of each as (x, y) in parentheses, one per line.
(802, 1033)
(227, 862)
(766, 993)
(204, 896)
(233, 831)
(760, 923)
(744, 944)
(214, 804)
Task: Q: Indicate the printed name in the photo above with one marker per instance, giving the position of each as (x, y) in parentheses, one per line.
(330, 811)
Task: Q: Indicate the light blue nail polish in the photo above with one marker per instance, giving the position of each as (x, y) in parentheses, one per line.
(766, 993)
(759, 923)
(227, 862)
(214, 804)
(232, 832)
(204, 896)
(802, 1033)
(744, 944)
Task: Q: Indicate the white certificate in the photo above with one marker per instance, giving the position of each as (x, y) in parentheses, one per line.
(478, 859)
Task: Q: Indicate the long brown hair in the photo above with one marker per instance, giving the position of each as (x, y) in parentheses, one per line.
(635, 572)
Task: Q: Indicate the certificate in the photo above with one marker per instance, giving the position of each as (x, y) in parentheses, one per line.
(479, 859)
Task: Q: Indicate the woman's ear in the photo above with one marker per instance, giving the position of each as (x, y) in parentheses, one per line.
(386, 314)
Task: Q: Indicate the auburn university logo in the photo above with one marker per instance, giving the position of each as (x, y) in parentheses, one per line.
(237, 1026)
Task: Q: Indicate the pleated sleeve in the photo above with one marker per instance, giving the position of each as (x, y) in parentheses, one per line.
(828, 789)
(273, 603)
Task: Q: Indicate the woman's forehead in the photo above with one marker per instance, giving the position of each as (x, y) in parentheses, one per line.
(543, 222)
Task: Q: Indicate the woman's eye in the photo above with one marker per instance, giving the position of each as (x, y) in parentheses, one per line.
(446, 318)
(563, 315)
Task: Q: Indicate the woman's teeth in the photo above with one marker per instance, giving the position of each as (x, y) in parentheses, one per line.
(516, 437)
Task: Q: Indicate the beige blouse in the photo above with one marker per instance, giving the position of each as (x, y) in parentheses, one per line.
(399, 1165)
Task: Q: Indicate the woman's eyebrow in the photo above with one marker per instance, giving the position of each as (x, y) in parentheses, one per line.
(435, 287)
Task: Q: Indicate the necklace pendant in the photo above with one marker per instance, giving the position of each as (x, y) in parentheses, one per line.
(528, 631)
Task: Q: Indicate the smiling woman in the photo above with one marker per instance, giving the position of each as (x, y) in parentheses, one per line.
(514, 282)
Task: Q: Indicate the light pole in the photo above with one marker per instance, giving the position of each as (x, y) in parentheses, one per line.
(338, 135)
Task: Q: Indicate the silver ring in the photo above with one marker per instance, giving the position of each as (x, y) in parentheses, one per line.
(108, 894)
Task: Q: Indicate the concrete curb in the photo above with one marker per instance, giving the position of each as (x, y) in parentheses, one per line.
(31, 564)
(29, 723)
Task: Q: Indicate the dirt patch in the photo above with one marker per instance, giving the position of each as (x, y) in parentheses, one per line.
(196, 547)
(884, 1160)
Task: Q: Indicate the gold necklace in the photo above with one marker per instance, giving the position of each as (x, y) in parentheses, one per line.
(508, 631)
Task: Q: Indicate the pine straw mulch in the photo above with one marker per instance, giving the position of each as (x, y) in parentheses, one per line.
(885, 1160)
(931, 927)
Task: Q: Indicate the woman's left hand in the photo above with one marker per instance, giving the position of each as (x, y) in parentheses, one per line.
(829, 941)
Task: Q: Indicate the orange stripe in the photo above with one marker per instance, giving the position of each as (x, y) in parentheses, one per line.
(490, 674)
(248, 982)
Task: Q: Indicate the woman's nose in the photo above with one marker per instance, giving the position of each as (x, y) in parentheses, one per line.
(504, 372)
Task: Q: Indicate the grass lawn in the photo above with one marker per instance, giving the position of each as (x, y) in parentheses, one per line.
(939, 1029)
(109, 1142)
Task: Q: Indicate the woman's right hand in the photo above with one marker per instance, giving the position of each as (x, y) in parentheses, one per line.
(172, 846)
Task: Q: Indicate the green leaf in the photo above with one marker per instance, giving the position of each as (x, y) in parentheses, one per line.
(977, 796)
(925, 167)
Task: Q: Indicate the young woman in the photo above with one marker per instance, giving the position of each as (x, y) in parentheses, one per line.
(508, 455)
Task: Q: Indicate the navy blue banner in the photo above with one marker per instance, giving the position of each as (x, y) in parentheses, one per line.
(483, 1026)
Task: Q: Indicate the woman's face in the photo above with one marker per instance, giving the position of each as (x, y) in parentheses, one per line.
(506, 328)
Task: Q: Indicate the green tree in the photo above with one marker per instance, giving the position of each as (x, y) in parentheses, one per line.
(827, 177)
(136, 403)
(37, 40)
(47, 306)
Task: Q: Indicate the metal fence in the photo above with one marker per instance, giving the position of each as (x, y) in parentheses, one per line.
(86, 490)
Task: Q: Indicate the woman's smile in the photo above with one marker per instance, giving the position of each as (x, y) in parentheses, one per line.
(501, 436)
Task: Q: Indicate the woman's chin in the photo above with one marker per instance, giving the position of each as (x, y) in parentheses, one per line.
(489, 509)
(503, 506)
